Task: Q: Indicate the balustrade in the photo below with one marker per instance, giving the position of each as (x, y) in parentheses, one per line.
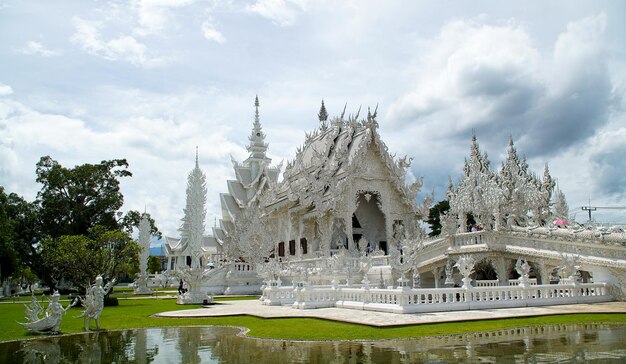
(243, 267)
(437, 299)
(515, 282)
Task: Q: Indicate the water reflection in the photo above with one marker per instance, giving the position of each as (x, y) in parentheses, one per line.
(546, 344)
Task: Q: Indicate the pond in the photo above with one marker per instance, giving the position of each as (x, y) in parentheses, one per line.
(544, 344)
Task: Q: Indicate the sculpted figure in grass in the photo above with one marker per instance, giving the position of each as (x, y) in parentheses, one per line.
(94, 302)
(51, 321)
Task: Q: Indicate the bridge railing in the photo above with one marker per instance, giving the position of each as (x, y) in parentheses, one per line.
(277, 296)
(472, 238)
(407, 300)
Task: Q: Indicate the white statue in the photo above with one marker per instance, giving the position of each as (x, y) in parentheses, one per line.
(568, 268)
(449, 277)
(94, 301)
(51, 321)
(465, 265)
(33, 310)
(523, 269)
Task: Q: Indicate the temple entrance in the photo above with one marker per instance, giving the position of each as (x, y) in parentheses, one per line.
(368, 221)
(382, 245)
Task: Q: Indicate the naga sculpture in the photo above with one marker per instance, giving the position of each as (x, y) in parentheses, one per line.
(94, 301)
(51, 321)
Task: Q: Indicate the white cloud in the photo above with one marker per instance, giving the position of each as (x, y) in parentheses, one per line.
(579, 53)
(156, 133)
(125, 47)
(153, 15)
(492, 78)
(212, 34)
(281, 12)
(560, 105)
(536, 77)
(469, 72)
(5, 90)
(32, 47)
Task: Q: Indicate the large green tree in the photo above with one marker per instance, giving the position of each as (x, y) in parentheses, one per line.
(19, 233)
(75, 200)
(80, 258)
(8, 253)
(75, 227)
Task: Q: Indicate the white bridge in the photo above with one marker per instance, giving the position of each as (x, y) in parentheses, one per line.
(597, 273)
(411, 300)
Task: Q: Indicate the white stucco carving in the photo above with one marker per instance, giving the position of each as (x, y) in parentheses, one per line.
(48, 321)
(94, 302)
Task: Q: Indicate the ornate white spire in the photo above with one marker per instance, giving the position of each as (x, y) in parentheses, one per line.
(144, 243)
(257, 146)
(192, 229)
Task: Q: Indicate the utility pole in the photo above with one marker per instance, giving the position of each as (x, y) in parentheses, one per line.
(589, 209)
(595, 208)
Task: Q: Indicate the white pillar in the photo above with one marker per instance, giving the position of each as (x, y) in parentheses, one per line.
(436, 273)
(299, 238)
(348, 222)
(287, 234)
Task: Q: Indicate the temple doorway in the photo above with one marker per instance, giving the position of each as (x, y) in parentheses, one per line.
(368, 221)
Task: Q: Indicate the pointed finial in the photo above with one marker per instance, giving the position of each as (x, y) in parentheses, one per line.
(371, 116)
(344, 111)
(257, 144)
(323, 114)
(256, 109)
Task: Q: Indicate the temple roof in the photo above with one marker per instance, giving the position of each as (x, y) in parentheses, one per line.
(333, 152)
(252, 177)
(177, 246)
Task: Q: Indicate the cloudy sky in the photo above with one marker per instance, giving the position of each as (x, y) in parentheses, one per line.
(148, 80)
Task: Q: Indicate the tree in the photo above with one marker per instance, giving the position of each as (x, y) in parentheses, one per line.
(81, 227)
(80, 258)
(75, 200)
(19, 233)
(132, 219)
(154, 264)
(74, 230)
(8, 253)
(434, 217)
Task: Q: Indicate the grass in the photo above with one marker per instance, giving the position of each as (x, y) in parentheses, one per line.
(137, 313)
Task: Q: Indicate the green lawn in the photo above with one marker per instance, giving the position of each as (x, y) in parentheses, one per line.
(136, 313)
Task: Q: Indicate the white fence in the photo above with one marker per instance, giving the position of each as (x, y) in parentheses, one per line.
(495, 282)
(407, 300)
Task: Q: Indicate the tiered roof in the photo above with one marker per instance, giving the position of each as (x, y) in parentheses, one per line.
(330, 154)
(252, 177)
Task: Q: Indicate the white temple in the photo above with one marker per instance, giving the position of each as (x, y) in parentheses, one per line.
(342, 229)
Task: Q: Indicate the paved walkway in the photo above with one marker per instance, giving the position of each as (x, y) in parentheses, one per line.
(382, 319)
